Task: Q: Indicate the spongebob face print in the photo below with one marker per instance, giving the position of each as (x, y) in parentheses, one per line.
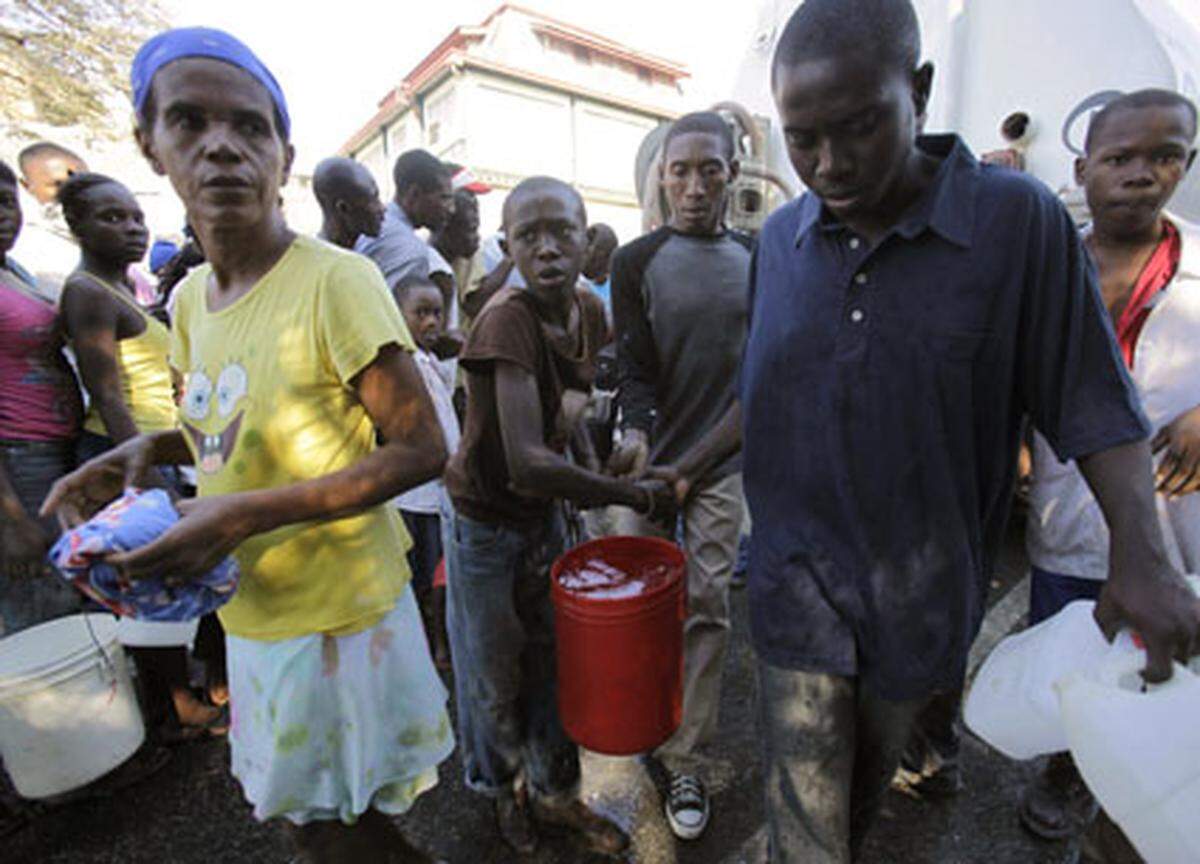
(212, 414)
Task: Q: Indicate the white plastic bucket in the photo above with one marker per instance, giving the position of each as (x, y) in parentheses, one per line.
(68, 713)
(156, 634)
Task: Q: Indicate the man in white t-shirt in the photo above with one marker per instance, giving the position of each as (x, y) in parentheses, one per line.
(1138, 149)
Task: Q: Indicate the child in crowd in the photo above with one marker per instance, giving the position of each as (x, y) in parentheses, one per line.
(1138, 148)
(426, 508)
(529, 363)
(295, 360)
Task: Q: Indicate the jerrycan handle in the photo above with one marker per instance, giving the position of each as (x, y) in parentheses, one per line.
(1121, 666)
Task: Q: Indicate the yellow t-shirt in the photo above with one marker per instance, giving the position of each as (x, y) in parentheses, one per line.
(143, 371)
(267, 402)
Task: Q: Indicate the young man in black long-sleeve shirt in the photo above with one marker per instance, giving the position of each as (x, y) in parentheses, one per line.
(679, 309)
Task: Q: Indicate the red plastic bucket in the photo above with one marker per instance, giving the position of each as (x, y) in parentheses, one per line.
(620, 644)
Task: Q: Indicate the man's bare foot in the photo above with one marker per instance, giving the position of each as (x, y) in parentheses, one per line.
(601, 834)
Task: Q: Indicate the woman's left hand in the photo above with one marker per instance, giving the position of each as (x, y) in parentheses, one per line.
(208, 530)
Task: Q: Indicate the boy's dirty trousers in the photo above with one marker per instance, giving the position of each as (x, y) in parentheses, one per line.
(501, 627)
(712, 523)
(830, 747)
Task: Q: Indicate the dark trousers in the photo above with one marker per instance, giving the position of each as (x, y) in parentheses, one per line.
(27, 599)
(426, 532)
(830, 747)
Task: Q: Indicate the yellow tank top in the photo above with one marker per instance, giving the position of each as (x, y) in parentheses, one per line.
(145, 373)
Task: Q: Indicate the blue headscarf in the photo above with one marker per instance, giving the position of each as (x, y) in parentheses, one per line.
(160, 253)
(202, 42)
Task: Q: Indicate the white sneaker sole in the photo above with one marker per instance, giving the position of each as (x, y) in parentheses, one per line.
(684, 832)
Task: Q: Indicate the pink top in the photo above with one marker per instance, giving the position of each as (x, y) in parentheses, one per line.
(39, 399)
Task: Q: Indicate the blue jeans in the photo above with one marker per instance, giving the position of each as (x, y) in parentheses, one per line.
(32, 467)
(501, 627)
(830, 747)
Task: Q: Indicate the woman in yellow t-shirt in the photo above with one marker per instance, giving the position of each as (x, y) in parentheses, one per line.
(296, 360)
(122, 352)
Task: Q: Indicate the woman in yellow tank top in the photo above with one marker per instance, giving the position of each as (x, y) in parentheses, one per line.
(122, 352)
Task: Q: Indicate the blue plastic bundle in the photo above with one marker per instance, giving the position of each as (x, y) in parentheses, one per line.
(135, 519)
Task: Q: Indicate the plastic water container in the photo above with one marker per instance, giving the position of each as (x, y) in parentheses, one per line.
(619, 607)
(156, 634)
(68, 713)
(1138, 749)
(1013, 705)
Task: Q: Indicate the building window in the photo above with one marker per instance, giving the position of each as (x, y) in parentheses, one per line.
(583, 55)
(645, 75)
(435, 132)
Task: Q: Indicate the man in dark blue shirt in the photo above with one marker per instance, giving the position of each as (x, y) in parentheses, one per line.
(907, 315)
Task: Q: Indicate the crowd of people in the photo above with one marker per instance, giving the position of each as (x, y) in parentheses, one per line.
(397, 433)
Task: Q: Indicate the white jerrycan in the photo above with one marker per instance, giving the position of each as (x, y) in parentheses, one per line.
(1138, 749)
(1012, 704)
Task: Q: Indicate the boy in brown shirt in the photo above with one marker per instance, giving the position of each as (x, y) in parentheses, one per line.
(529, 364)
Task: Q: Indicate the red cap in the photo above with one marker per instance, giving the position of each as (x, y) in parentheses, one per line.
(464, 179)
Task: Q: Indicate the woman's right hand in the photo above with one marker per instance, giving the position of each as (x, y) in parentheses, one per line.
(79, 495)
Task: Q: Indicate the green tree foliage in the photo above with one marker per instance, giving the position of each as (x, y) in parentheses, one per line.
(66, 62)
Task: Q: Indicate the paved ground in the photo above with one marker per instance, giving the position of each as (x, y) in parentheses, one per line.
(192, 812)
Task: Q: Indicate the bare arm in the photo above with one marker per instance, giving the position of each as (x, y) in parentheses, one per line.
(91, 319)
(721, 442)
(413, 452)
(535, 469)
(1143, 590)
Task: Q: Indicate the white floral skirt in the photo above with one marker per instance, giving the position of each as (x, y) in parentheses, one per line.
(324, 727)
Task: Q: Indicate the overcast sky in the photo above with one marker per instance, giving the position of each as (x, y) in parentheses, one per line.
(335, 60)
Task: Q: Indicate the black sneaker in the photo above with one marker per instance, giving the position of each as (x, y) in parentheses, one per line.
(687, 806)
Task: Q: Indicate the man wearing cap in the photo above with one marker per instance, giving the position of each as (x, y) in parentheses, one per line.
(424, 199)
(304, 414)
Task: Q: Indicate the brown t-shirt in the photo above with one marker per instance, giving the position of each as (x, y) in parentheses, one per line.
(509, 329)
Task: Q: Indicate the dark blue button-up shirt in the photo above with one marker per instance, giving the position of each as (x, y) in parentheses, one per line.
(883, 394)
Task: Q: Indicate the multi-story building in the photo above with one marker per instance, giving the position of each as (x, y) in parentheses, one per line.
(523, 94)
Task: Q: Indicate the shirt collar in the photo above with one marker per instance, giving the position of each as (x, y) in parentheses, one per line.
(947, 207)
(397, 213)
(1189, 259)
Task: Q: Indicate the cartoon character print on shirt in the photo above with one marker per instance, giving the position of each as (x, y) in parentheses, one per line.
(213, 411)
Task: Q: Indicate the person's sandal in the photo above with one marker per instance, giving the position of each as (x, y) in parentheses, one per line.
(1056, 804)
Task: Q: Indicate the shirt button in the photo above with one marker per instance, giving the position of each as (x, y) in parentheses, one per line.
(857, 316)
(855, 242)
(861, 279)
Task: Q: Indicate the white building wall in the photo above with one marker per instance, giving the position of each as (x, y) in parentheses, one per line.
(520, 130)
(606, 144)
